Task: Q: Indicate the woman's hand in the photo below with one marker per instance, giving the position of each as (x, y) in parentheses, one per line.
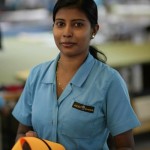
(31, 134)
(24, 130)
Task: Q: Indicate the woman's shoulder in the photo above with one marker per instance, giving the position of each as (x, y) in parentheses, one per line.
(40, 69)
(108, 72)
(106, 68)
(42, 65)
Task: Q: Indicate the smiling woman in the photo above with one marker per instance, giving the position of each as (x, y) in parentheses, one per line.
(72, 100)
(71, 32)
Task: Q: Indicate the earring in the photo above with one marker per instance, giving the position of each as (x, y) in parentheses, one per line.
(93, 36)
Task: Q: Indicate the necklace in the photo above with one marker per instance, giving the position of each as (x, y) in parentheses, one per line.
(59, 84)
(62, 76)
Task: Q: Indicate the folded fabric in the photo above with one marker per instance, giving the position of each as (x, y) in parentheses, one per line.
(33, 143)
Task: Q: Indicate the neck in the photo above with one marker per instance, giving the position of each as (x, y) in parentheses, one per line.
(70, 64)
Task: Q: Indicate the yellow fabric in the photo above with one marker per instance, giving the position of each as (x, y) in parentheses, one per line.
(37, 144)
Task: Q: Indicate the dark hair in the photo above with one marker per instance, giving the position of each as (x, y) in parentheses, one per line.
(89, 7)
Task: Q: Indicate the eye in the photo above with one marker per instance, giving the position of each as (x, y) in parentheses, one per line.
(59, 24)
(78, 24)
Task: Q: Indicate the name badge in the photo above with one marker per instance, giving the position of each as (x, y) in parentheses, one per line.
(82, 107)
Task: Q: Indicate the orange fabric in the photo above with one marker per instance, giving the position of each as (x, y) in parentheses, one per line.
(37, 144)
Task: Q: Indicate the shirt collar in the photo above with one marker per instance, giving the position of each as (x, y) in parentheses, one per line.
(80, 76)
(51, 71)
(83, 72)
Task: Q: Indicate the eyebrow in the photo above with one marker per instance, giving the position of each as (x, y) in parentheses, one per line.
(71, 20)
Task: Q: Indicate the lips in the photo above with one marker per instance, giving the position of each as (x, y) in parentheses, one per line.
(67, 44)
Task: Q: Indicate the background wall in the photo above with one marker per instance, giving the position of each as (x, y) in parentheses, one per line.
(22, 52)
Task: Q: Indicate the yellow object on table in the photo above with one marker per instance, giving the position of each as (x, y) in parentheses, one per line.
(22, 75)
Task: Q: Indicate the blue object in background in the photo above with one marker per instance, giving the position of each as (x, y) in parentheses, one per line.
(99, 2)
(2, 102)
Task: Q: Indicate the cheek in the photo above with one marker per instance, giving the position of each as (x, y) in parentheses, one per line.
(85, 34)
(85, 37)
(56, 36)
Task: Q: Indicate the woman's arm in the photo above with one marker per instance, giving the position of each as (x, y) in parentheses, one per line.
(24, 130)
(124, 141)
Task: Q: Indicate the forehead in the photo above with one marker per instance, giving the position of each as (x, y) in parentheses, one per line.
(70, 13)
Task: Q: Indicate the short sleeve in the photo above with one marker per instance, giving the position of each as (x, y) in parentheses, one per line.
(23, 108)
(120, 115)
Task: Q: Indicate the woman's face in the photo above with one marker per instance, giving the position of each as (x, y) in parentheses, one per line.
(72, 32)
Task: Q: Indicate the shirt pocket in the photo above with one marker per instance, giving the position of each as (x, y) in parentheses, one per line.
(82, 124)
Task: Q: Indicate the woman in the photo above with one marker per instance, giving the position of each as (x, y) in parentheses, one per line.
(76, 99)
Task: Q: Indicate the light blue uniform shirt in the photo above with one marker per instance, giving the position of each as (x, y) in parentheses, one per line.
(94, 103)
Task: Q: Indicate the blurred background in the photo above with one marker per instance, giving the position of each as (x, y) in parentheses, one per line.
(26, 40)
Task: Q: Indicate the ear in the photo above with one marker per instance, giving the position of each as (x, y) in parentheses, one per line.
(95, 29)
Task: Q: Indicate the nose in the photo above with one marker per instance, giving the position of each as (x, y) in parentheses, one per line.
(67, 31)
